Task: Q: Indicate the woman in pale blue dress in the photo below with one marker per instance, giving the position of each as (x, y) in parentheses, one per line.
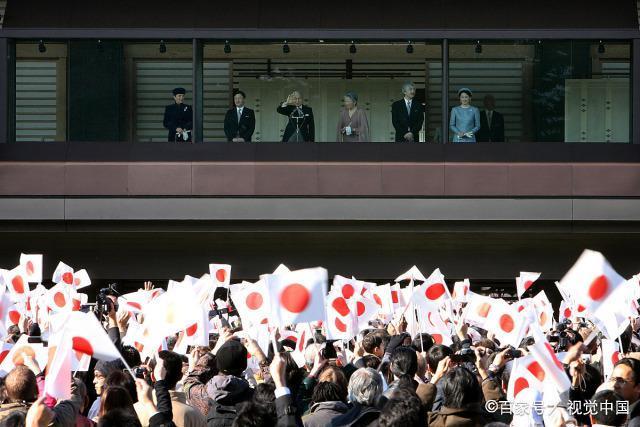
(465, 118)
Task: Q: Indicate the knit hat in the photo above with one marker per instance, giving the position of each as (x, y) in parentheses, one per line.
(231, 358)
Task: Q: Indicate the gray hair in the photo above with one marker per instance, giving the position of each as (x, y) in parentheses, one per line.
(365, 386)
(352, 95)
(407, 85)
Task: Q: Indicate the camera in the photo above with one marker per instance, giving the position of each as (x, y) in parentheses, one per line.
(513, 353)
(103, 302)
(139, 372)
(328, 351)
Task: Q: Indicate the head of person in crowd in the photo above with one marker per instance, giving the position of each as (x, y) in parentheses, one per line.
(625, 378)
(310, 353)
(489, 102)
(373, 344)
(422, 342)
(265, 394)
(294, 375)
(119, 418)
(122, 379)
(421, 372)
(370, 361)
(365, 387)
(336, 376)
(606, 410)
(326, 391)
(409, 90)
(115, 397)
(231, 358)
(100, 373)
(253, 414)
(403, 408)
(464, 96)
(350, 100)
(83, 393)
(403, 366)
(435, 355)
(460, 388)
(173, 367)
(178, 95)
(14, 332)
(131, 355)
(21, 385)
(238, 99)
(296, 98)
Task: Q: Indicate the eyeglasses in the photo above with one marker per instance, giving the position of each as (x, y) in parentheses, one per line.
(619, 380)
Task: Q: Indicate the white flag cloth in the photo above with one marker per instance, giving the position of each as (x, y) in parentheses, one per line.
(198, 333)
(478, 309)
(433, 290)
(526, 373)
(524, 281)
(297, 296)
(543, 353)
(17, 284)
(543, 310)
(610, 356)
(170, 313)
(220, 274)
(252, 303)
(347, 287)
(461, 290)
(57, 383)
(88, 337)
(506, 323)
(412, 274)
(382, 296)
(342, 322)
(591, 280)
(32, 264)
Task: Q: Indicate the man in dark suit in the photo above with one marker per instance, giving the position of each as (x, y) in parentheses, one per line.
(239, 122)
(178, 118)
(491, 122)
(407, 115)
(300, 126)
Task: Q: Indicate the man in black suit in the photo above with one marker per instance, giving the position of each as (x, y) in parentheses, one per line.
(178, 118)
(407, 115)
(300, 126)
(239, 122)
(491, 122)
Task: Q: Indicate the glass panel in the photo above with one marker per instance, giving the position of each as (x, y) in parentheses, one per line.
(41, 91)
(322, 73)
(545, 91)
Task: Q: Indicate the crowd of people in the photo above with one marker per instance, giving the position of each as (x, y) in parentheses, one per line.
(383, 376)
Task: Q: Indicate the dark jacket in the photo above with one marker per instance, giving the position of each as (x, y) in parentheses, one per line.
(307, 125)
(634, 414)
(177, 116)
(243, 129)
(286, 412)
(358, 416)
(321, 414)
(403, 122)
(495, 133)
(227, 393)
(164, 416)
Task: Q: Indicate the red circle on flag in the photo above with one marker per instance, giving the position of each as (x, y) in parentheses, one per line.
(377, 299)
(3, 355)
(254, 300)
(295, 298)
(543, 319)
(59, 299)
(483, 309)
(82, 345)
(18, 284)
(191, 330)
(581, 308)
(536, 370)
(340, 305)
(394, 297)
(14, 317)
(437, 338)
(76, 304)
(361, 308)
(506, 323)
(30, 268)
(519, 385)
(67, 278)
(527, 284)
(134, 305)
(599, 288)
(340, 326)
(553, 356)
(221, 275)
(434, 291)
(615, 357)
(76, 281)
(567, 312)
(348, 291)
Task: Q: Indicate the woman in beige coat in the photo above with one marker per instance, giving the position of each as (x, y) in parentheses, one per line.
(353, 125)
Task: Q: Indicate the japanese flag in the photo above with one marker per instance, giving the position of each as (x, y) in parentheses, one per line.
(57, 383)
(16, 281)
(81, 279)
(506, 323)
(366, 310)
(60, 298)
(524, 281)
(347, 287)
(88, 337)
(543, 310)
(281, 269)
(342, 322)
(14, 312)
(252, 303)
(461, 290)
(434, 289)
(526, 373)
(170, 313)
(610, 356)
(134, 302)
(32, 264)
(198, 333)
(430, 321)
(412, 274)
(591, 280)
(297, 296)
(543, 353)
(63, 273)
(382, 296)
(478, 309)
(397, 297)
(220, 274)
(16, 354)
(565, 312)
